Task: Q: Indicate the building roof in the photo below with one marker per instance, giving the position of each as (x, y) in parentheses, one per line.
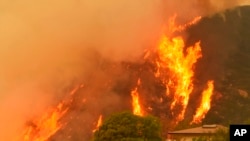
(205, 129)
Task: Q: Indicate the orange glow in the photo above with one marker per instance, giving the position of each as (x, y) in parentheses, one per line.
(172, 25)
(135, 101)
(205, 103)
(43, 128)
(99, 123)
(175, 66)
(178, 67)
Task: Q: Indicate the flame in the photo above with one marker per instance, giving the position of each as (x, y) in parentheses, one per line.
(172, 25)
(44, 127)
(99, 123)
(175, 66)
(135, 101)
(205, 103)
(180, 69)
(41, 129)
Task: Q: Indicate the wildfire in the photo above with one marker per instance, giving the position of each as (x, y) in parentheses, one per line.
(99, 123)
(135, 101)
(175, 66)
(180, 68)
(205, 103)
(41, 129)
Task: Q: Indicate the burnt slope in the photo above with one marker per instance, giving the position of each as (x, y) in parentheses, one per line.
(225, 42)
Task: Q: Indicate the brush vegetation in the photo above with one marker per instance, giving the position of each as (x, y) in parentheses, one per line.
(225, 42)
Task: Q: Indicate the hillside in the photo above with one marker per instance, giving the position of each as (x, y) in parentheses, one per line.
(225, 42)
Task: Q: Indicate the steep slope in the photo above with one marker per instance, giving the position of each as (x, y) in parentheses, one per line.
(225, 41)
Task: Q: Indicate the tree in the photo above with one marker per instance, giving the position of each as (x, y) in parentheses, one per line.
(221, 135)
(128, 127)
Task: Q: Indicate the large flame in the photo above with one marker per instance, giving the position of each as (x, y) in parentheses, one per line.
(178, 68)
(135, 100)
(175, 67)
(205, 103)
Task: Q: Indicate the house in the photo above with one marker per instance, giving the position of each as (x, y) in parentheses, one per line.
(189, 134)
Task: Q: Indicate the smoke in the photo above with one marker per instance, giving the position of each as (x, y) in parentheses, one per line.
(47, 46)
(187, 10)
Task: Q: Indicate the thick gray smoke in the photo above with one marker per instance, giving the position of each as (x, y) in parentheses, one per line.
(48, 45)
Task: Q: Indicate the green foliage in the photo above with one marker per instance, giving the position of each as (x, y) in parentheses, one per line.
(220, 135)
(128, 127)
(200, 139)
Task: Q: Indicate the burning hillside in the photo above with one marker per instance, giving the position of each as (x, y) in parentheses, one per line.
(171, 67)
(145, 66)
